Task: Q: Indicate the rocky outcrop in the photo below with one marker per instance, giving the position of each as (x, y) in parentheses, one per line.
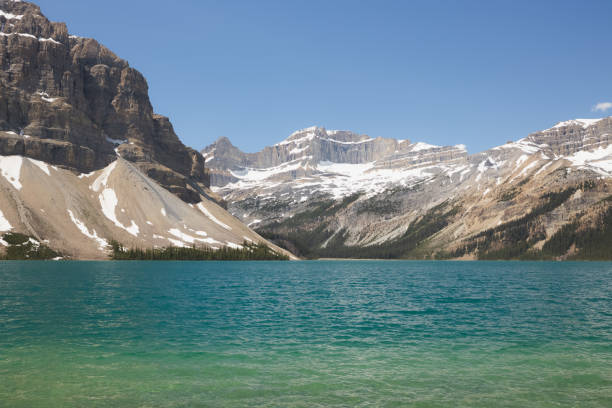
(572, 136)
(72, 102)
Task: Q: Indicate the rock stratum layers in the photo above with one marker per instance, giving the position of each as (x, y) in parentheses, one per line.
(84, 160)
(324, 193)
(70, 101)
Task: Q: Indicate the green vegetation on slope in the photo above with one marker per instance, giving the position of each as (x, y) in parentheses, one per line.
(516, 239)
(591, 242)
(308, 242)
(248, 252)
(22, 247)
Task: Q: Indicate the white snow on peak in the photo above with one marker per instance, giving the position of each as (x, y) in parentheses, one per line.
(418, 146)
(305, 130)
(4, 224)
(10, 168)
(350, 143)
(585, 123)
(309, 135)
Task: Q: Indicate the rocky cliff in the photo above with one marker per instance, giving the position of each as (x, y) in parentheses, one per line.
(84, 160)
(336, 194)
(70, 101)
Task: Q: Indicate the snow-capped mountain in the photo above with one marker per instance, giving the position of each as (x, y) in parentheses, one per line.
(387, 184)
(84, 159)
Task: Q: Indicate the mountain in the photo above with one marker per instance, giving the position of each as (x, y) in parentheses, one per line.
(324, 193)
(70, 101)
(84, 159)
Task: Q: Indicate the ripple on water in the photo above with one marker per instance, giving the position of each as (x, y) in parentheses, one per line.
(306, 334)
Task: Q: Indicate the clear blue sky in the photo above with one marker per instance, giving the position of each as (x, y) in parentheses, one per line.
(444, 72)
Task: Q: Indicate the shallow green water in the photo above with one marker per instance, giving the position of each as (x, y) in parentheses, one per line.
(306, 334)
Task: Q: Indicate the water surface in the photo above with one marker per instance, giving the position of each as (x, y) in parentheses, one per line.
(305, 334)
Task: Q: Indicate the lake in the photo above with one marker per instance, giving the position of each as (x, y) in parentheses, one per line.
(305, 334)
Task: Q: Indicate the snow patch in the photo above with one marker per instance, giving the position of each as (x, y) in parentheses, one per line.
(585, 123)
(102, 179)
(177, 243)
(188, 238)
(234, 246)
(4, 224)
(41, 165)
(49, 40)
(45, 96)
(543, 168)
(212, 217)
(181, 235)
(10, 167)
(298, 150)
(108, 201)
(116, 141)
(102, 243)
(521, 160)
(254, 222)
(522, 144)
(600, 158)
(422, 146)
(10, 16)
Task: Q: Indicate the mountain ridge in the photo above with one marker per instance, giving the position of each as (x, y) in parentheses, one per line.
(395, 190)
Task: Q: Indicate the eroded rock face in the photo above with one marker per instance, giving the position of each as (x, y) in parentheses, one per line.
(72, 102)
(572, 136)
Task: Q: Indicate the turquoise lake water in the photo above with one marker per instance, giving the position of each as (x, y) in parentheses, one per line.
(305, 334)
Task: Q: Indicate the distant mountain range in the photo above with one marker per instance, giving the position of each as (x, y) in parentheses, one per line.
(84, 160)
(323, 193)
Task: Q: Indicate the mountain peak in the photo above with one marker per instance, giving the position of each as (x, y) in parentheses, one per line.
(72, 102)
(584, 123)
